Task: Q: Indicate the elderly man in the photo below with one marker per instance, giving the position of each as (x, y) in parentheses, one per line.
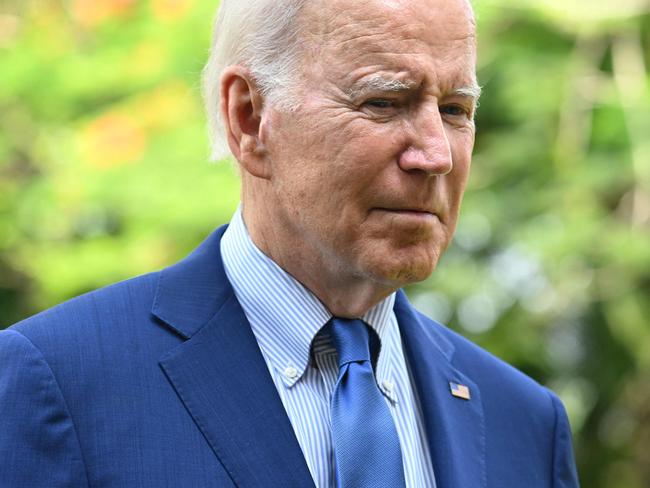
(281, 353)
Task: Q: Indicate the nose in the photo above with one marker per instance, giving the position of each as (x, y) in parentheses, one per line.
(428, 148)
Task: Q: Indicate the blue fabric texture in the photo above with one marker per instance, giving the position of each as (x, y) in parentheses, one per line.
(288, 321)
(159, 381)
(366, 445)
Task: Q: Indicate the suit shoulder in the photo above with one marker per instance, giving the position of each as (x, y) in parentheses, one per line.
(487, 368)
(109, 305)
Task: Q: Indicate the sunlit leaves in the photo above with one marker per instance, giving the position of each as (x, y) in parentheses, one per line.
(104, 175)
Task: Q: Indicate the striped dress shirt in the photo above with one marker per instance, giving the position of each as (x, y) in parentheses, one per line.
(287, 320)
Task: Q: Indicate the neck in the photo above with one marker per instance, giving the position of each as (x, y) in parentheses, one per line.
(342, 292)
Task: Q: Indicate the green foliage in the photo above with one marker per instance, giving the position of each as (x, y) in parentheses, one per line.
(104, 175)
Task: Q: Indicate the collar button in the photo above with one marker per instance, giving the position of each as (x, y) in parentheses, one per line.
(291, 372)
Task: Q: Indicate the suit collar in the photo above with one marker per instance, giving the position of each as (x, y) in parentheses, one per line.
(285, 316)
(190, 292)
(455, 427)
(220, 376)
(410, 324)
(222, 379)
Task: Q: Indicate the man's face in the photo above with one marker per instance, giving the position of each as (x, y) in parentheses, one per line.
(368, 172)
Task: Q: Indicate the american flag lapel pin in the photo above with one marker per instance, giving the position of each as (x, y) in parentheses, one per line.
(459, 391)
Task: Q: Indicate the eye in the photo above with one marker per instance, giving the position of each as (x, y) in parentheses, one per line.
(454, 110)
(380, 103)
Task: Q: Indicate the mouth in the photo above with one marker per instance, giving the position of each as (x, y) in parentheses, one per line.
(415, 213)
(406, 210)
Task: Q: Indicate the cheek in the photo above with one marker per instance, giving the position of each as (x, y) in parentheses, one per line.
(365, 152)
(353, 164)
(461, 152)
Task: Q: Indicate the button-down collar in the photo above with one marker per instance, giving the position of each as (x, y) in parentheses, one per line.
(285, 315)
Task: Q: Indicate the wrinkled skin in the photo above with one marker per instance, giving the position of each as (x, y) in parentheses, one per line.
(362, 183)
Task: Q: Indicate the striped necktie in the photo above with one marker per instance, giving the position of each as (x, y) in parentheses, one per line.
(366, 446)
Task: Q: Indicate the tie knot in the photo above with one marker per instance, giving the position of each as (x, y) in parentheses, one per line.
(351, 338)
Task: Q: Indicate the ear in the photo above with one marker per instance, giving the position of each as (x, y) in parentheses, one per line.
(241, 110)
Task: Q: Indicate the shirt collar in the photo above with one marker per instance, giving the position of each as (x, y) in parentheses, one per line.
(284, 315)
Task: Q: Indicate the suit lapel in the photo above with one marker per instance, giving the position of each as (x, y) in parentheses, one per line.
(455, 427)
(221, 377)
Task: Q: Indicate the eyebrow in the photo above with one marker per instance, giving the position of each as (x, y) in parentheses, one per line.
(383, 84)
(380, 84)
(471, 91)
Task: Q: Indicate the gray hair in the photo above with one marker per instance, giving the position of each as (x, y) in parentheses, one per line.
(261, 35)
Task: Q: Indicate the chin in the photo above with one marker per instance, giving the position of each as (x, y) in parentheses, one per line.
(396, 264)
(401, 272)
(413, 274)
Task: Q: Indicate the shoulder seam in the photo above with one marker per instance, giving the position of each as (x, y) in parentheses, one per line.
(555, 419)
(65, 404)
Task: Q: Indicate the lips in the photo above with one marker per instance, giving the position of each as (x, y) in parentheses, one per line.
(406, 210)
(410, 216)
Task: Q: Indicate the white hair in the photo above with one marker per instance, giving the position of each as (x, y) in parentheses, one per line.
(261, 35)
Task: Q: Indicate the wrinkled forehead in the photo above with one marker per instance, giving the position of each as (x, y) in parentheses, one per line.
(398, 33)
(346, 20)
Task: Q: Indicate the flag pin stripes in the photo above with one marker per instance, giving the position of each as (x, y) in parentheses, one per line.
(459, 391)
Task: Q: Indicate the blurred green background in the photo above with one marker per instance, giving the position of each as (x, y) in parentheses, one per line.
(104, 174)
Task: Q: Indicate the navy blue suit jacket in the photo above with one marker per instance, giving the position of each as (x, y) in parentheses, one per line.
(159, 382)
